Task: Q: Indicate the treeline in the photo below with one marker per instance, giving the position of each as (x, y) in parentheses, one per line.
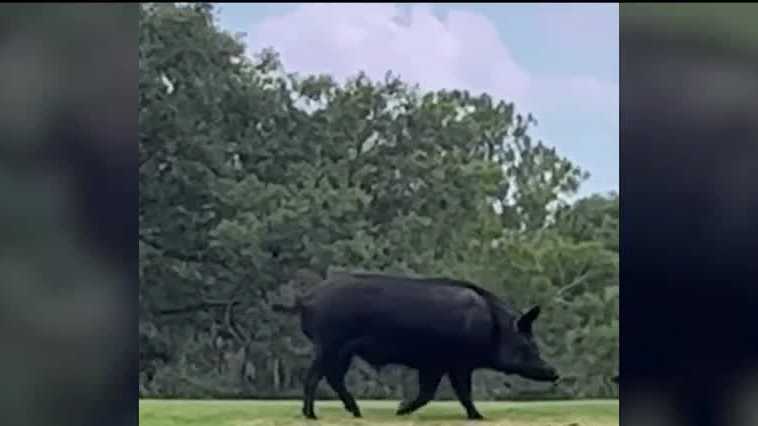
(256, 182)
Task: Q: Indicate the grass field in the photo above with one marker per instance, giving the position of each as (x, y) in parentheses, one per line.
(442, 413)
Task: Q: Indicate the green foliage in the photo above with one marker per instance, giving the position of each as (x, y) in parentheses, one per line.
(255, 182)
(595, 218)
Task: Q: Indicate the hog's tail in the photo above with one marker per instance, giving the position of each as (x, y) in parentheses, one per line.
(284, 309)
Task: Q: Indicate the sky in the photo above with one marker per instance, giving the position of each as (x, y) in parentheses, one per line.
(558, 61)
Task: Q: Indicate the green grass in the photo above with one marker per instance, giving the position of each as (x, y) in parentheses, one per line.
(438, 413)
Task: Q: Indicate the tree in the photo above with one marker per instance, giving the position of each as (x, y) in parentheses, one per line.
(594, 218)
(255, 183)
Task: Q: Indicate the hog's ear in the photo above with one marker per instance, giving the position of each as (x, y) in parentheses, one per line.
(525, 322)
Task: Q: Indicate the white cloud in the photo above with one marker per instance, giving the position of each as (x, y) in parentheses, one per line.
(461, 50)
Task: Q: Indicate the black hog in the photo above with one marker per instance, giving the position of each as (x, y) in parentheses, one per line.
(438, 326)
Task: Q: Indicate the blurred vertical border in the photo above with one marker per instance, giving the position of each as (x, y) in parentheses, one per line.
(689, 227)
(68, 215)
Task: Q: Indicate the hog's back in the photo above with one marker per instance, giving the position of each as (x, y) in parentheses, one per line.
(416, 312)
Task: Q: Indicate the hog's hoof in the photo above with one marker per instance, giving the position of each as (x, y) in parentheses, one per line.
(475, 416)
(402, 410)
(309, 415)
(353, 409)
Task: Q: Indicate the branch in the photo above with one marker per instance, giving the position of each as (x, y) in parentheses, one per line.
(576, 283)
(184, 257)
(191, 308)
(231, 326)
(143, 162)
(172, 253)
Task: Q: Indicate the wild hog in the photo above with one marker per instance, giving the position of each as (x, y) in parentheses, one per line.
(438, 326)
